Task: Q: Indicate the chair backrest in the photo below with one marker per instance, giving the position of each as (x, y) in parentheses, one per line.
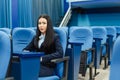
(115, 64)
(5, 51)
(118, 30)
(6, 30)
(63, 39)
(21, 37)
(82, 35)
(100, 32)
(65, 29)
(111, 30)
(34, 28)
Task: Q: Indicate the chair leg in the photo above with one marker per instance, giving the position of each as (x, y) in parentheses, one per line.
(83, 69)
(100, 60)
(91, 74)
(95, 72)
(105, 62)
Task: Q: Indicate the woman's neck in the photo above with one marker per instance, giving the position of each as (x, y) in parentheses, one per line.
(42, 33)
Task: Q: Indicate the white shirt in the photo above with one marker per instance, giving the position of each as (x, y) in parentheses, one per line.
(41, 40)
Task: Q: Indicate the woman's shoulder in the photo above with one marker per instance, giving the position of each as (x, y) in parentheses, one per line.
(56, 36)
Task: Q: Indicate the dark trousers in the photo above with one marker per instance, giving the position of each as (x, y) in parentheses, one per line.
(46, 71)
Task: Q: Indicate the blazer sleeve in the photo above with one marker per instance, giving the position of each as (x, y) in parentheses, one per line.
(30, 46)
(57, 54)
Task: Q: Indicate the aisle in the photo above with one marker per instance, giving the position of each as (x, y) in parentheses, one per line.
(103, 74)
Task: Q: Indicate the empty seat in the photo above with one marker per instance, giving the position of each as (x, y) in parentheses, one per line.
(118, 30)
(99, 43)
(115, 64)
(5, 53)
(111, 31)
(111, 34)
(81, 41)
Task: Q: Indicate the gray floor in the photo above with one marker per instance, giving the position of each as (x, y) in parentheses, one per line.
(103, 74)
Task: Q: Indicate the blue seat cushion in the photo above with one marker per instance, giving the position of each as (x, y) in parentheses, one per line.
(49, 78)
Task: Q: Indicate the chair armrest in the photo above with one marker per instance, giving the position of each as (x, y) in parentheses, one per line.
(93, 53)
(66, 61)
(60, 59)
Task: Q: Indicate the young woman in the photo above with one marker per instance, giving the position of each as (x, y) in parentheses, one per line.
(46, 41)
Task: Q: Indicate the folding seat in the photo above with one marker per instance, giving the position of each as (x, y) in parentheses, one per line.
(115, 63)
(118, 30)
(111, 37)
(61, 70)
(5, 53)
(99, 43)
(80, 39)
(21, 37)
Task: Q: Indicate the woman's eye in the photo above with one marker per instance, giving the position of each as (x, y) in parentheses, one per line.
(39, 23)
(44, 23)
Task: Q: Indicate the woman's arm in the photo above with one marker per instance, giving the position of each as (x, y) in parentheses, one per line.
(57, 54)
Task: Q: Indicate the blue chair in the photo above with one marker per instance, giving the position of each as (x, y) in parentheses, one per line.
(111, 34)
(118, 30)
(99, 43)
(80, 39)
(5, 53)
(6, 30)
(65, 29)
(61, 69)
(21, 37)
(115, 64)
(34, 28)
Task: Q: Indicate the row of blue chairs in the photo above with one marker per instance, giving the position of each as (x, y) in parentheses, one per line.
(81, 41)
(103, 40)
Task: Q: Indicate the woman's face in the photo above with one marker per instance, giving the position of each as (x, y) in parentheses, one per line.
(42, 25)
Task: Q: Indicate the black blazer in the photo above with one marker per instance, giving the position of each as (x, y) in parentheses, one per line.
(55, 51)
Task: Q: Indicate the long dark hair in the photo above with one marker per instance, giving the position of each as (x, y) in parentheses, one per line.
(49, 37)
